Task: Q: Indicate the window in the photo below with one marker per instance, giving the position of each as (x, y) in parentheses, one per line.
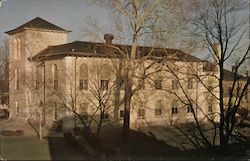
(55, 111)
(210, 107)
(190, 83)
(174, 107)
(158, 84)
(15, 48)
(246, 95)
(83, 85)
(158, 111)
(104, 84)
(55, 77)
(174, 84)
(189, 109)
(229, 91)
(121, 114)
(37, 81)
(141, 113)
(158, 108)
(83, 82)
(174, 110)
(16, 79)
(106, 116)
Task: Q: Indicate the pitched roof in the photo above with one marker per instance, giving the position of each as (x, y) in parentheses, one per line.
(37, 23)
(92, 49)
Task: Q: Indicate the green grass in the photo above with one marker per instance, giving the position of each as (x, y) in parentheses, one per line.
(24, 148)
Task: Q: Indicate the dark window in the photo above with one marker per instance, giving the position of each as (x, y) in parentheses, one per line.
(158, 84)
(189, 109)
(158, 111)
(104, 84)
(17, 85)
(83, 85)
(174, 84)
(121, 114)
(106, 116)
(55, 84)
(174, 110)
(210, 107)
(174, 106)
(246, 95)
(229, 91)
(141, 113)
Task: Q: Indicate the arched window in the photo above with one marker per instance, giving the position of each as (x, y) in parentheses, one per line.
(83, 81)
(18, 46)
(104, 76)
(55, 77)
(38, 79)
(14, 47)
(17, 108)
(55, 111)
(16, 79)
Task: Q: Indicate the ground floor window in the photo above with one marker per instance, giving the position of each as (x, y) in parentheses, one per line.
(141, 113)
(55, 111)
(121, 114)
(17, 108)
(174, 110)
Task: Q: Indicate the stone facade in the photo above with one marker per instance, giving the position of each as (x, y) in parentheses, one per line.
(58, 84)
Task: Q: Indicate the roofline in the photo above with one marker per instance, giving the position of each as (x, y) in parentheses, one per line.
(14, 31)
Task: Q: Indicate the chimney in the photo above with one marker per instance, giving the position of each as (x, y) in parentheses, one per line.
(108, 38)
(233, 68)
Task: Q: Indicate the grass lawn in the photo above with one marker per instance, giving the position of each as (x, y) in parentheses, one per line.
(24, 148)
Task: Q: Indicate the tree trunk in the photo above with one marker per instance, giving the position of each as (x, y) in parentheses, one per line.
(127, 103)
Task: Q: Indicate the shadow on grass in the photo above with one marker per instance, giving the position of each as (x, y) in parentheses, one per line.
(139, 145)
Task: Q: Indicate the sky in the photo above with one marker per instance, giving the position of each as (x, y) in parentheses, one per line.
(71, 15)
(68, 14)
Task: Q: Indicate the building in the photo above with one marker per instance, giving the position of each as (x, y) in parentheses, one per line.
(51, 78)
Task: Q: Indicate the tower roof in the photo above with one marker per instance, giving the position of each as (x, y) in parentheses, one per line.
(37, 23)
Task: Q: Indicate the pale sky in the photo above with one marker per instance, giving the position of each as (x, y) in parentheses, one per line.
(71, 15)
(68, 14)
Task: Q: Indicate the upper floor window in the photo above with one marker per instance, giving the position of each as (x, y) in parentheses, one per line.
(158, 84)
(55, 77)
(16, 79)
(83, 81)
(190, 83)
(174, 84)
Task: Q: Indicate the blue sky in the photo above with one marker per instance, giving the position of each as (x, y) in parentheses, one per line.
(69, 14)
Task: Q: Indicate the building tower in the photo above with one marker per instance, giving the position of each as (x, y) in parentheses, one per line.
(24, 42)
